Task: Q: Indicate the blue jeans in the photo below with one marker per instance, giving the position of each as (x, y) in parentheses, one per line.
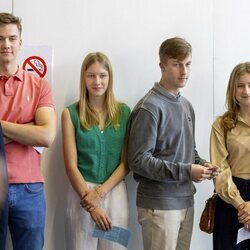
(226, 224)
(24, 213)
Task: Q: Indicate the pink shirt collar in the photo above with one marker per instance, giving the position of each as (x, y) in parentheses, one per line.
(18, 74)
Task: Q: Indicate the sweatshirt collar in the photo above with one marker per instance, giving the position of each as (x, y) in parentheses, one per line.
(166, 93)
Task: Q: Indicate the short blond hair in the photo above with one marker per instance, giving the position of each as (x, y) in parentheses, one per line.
(8, 18)
(176, 47)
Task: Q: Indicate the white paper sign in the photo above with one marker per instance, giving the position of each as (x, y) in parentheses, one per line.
(242, 235)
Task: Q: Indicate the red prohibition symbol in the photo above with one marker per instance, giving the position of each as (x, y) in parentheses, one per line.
(36, 64)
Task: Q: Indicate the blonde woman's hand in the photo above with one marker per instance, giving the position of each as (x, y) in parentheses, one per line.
(90, 200)
(101, 219)
(244, 213)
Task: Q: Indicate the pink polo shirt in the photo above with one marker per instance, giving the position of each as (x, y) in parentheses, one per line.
(20, 96)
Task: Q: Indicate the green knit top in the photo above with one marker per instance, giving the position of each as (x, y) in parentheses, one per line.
(99, 152)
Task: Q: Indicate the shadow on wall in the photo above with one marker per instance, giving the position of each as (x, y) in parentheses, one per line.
(134, 227)
(56, 186)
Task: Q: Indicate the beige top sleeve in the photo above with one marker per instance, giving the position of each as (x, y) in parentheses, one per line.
(224, 184)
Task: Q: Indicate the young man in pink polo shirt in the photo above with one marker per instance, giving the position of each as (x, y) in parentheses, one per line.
(28, 120)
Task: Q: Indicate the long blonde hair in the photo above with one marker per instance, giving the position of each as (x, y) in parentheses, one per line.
(88, 117)
(229, 118)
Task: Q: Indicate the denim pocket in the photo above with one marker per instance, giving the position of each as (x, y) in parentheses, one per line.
(34, 187)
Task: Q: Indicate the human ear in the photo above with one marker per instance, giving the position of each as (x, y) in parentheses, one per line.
(161, 66)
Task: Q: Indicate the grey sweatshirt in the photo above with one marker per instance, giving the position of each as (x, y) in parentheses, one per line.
(161, 150)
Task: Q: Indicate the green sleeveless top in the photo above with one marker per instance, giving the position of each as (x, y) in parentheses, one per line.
(99, 152)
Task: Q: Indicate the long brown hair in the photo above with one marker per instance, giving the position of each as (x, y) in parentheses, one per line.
(88, 117)
(230, 117)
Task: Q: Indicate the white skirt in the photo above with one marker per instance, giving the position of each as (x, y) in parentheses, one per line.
(80, 226)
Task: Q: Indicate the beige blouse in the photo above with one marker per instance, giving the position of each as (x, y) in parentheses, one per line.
(232, 154)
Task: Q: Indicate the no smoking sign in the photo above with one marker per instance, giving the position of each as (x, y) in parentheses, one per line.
(35, 64)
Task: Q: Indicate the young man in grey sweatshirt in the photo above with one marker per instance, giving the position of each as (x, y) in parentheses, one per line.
(162, 154)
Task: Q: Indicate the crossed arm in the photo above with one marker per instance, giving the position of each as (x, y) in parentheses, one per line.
(40, 133)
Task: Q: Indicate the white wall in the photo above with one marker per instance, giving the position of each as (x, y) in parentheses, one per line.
(130, 33)
(232, 40)
(6, 6)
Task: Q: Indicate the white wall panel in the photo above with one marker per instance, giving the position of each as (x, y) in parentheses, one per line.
(130, 33)
(232, 39)
(6, 6)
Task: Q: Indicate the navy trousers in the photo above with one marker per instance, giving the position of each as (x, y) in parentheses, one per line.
(226, 221)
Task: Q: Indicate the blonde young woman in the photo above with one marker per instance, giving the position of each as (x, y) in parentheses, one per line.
(230, 150)
(93, 132)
